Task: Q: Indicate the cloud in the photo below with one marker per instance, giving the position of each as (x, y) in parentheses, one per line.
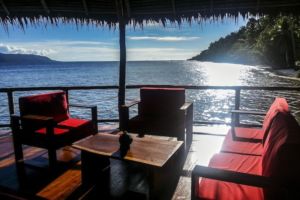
(77, 43)
(11, 49)
(160, 53)
(164, 39)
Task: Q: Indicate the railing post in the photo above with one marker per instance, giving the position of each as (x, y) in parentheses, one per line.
(11, 108)
(67, 94)
(237, 106)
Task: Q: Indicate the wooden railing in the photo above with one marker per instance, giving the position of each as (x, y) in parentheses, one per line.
(237, 89)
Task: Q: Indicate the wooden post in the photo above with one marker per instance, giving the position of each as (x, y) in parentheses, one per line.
(11, 108)
(122, 68)
(10, 102)
(237, 106)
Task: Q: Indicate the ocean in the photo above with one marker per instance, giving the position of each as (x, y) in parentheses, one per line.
(209, 105)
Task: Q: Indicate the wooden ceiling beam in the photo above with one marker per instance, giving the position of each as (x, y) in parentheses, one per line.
(211, 5)
(119, 8)
(85, 7)
(174, 7)
(127, 4)
(45, 6)
(4, 7)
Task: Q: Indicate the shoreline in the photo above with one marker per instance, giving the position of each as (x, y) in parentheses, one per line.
(286, 73)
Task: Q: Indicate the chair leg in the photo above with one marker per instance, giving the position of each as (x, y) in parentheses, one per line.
(52, 158)
(18, 152)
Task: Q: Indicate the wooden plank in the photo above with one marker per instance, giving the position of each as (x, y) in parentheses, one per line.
(63, 186)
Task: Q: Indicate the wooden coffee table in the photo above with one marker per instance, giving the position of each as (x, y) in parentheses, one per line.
(161, 155)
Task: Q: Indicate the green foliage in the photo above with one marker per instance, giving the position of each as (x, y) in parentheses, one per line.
(268, 40)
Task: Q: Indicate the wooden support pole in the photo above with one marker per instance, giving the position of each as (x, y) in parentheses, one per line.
(122, 68)
(237, 105)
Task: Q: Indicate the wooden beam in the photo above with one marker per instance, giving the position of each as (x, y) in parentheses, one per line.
(122, 67)
(85, 7)
(127, 4)
(174, 7)
(4, 7)
(258, 4)
(44, 4)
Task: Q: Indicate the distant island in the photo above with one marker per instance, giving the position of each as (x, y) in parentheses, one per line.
(24, 59)
(272, 41)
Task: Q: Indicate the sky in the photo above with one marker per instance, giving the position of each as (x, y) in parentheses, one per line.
(67, 42)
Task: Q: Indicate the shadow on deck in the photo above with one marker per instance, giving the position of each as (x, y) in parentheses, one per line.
(65, 183)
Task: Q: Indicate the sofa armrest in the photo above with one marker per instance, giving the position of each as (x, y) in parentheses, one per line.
(248, 112)
(94, 113)
(231, 176)
(228, 176)
(235, 116)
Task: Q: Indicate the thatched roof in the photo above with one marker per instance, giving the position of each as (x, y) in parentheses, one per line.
(135, 11)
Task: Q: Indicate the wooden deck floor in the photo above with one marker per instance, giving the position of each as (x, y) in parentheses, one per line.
(65, 183)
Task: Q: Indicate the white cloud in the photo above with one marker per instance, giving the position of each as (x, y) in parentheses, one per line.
(160, 53)
(164, 39)
(11, 49)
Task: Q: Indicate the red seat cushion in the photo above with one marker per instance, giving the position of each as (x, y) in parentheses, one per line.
(57, 131)
(160, 101)
(73, 123)
(220, 190)
(52, 104)
(243, 143)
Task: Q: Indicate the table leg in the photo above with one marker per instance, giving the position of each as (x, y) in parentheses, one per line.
(95, 169)
(162, 182)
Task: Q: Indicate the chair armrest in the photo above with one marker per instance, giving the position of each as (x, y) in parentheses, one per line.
(248, 112)
(37, 118)
(187, 109)
(94, 113)
(82, 106)
(128, 105)
(232, 176)
(124, 120)
(186, 106)
(46, 121)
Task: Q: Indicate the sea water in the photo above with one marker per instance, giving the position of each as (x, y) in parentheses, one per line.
(209, 105)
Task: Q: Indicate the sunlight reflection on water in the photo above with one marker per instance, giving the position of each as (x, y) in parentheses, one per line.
(224, 74)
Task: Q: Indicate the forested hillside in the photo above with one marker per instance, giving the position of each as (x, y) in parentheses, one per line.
(269, 40)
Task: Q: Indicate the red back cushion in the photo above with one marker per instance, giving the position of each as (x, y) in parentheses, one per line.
(279, 105)
(50, 104)
(161, 101)
(281, 154)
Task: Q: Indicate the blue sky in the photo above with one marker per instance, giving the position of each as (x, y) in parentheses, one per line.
(89, 43)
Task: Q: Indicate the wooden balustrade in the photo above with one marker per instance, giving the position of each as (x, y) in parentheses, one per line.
(237, 89)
